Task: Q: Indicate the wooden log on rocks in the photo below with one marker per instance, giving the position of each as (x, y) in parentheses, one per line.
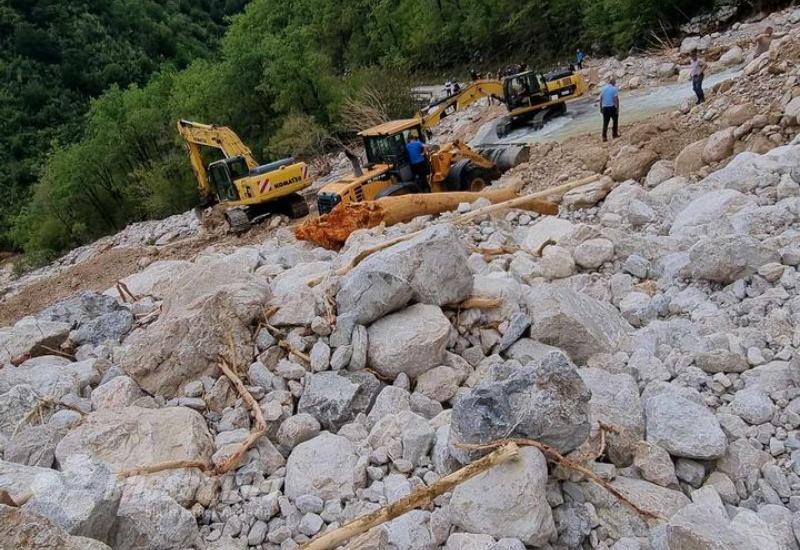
(517, 202)
(331, 230)
(421, 496)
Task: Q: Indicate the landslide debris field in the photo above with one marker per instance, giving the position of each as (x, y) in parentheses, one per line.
(175, 387)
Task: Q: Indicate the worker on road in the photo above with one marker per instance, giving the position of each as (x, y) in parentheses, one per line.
(697, 71)
(419, 162)
(579, 57)
(609, 107)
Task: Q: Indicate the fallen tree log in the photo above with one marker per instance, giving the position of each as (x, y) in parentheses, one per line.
(331, 230)
(517, 202)
(421, 496)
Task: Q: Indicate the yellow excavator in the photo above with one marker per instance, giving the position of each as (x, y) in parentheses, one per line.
(248, 191)
(530, 97)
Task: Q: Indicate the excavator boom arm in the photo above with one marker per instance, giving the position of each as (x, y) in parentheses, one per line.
(218, 137)
(467, 96)
(196, 134)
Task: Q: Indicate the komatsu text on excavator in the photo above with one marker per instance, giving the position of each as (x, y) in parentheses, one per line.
(249, 191)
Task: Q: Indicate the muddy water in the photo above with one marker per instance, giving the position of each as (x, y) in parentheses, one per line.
(583, 115)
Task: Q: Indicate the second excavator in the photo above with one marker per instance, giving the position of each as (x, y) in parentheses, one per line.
(531, 98)
(248, 191)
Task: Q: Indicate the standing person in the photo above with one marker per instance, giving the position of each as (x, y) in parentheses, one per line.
(473, 75)
(448, 88)
(609, 107)
(763, 41)
(418, 161)
(579, 57)
(697, 70)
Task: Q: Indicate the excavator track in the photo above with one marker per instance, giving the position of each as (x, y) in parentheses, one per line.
(238, 220)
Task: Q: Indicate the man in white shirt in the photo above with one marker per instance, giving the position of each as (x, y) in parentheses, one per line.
(697, 70)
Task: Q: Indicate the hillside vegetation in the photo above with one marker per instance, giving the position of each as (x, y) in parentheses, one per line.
(281, 76)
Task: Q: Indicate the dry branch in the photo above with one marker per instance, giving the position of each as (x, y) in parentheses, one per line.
(421, 496)
(203, 465)
(479, 302)
(258, 430)
(557, 458)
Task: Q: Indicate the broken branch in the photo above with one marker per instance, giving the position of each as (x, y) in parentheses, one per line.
(421, 496)
(557, 458)
(258, 430)
(162, 466)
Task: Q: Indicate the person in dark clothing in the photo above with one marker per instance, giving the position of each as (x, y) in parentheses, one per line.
(609, 107)
(697, 70)
(473, 75)
(418, 161)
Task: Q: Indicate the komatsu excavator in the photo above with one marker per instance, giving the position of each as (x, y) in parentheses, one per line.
(530, 97)
(248, 191)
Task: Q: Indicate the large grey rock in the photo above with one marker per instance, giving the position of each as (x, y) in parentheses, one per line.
(16, 479)
(726, 259)
(82, 500)
(136, 436)
(620, 520)
(429, 269)
(35, 445)
(15, 405)
(575, 322)
(117, 393)
(31, 336)
(507, 501)
(547, 401)
(742, 461)
(297, 302)
(468, 541)
(405, 431)
(207, 314)
(328, 397)
(51, 381)
(324, 466)
(752, 405)
(773, 377)
(410, 341)
(154, 281)
(683, 427)
(95, 318)
(152, 519)
(549, 230)
(22, 529)
(707, 214)
(615, 402)
(707, 527)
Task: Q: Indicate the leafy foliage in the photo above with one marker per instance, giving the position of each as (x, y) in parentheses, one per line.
(289, 77)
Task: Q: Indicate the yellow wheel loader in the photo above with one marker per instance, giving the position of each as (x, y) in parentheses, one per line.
(453, 166)
(248, 191)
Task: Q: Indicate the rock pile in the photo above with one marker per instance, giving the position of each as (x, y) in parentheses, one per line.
(650, 333)
(668, 311)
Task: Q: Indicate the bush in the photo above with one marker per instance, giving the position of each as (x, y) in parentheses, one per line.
(300, 136)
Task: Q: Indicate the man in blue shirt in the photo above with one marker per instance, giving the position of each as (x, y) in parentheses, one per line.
(609, 107)
(418, 161)
(579, 57)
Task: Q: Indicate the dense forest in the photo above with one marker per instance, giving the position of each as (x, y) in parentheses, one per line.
(92, 88)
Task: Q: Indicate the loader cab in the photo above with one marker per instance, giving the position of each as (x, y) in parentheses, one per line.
(223, 173)
(523, 90)
(386, 143)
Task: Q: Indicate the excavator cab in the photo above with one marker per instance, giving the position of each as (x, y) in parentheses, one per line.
(223, 173)
(522, 90)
